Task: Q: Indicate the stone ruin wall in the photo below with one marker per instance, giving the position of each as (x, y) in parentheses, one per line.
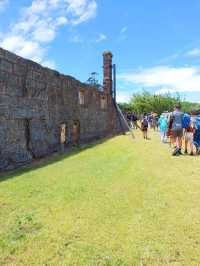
(35, 101)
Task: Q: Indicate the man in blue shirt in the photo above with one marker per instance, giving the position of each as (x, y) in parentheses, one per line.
(176, 118)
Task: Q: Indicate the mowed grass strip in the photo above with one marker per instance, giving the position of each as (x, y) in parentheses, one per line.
(121, 202)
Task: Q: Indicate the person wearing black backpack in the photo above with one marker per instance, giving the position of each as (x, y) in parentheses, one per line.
(144, 126)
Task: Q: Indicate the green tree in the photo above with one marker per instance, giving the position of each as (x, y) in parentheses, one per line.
(146, 102)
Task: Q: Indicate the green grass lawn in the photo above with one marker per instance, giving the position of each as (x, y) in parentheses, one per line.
(121, 202)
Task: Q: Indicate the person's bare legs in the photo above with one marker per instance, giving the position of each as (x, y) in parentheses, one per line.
(179, 142)
(191, 148)
(170, 141)
(173, 142)
(186, 145)
(195, 149)
(145, 134)
(176, 145)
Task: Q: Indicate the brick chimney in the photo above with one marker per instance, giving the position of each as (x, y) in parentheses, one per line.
(107, 72)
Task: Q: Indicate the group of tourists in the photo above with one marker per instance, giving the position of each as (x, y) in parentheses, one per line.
(146, 121)
(181, 130)
(132, 119)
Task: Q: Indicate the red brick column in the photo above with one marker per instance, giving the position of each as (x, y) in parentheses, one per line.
(107, 68)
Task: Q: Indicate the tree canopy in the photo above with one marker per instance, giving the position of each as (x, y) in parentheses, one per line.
(146, 102)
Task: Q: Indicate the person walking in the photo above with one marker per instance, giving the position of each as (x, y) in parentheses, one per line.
(149, 119)
(128, 117)
(154, 121)
(176, 118)
(169, 130)
(144, 126)
(163, 125)
(196, 139)
(189, 130)
(134, 120)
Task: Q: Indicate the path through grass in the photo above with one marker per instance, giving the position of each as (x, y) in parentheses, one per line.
(121, 202)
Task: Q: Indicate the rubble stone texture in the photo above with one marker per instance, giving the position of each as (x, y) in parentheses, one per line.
(35, 102)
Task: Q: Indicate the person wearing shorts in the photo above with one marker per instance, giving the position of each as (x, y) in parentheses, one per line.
(177, 129)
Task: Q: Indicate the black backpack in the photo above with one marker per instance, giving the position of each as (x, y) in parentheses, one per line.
(144, 122)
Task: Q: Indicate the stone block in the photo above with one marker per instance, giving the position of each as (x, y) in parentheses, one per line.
(6, 66)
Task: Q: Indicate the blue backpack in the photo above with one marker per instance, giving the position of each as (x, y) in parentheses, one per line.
(186, 121)
(197, 123)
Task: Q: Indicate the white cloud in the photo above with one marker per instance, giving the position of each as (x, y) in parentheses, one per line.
(23, 47)
(169, 58)
(123, 96)
(49, 64)
(164, 91)
(101, 38)
(176, 79)
(60, 21)
(124, 29)
(193, 52)
(122, 35)
(82, 10)
(39, 23)
(3, 4)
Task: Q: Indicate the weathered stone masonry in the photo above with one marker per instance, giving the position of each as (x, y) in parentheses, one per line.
(35, 101)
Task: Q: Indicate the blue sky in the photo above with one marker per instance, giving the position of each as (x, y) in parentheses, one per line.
(156, 44)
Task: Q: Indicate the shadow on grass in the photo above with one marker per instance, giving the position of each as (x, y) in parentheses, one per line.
(51, 159)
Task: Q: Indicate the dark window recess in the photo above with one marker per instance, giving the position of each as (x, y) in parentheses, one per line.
(28, 135)
(76, 132)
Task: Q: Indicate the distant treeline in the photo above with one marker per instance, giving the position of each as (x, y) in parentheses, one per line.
(146, 102)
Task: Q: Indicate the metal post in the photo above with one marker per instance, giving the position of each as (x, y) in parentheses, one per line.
(120, 114)
(124, 120)
(114, 82)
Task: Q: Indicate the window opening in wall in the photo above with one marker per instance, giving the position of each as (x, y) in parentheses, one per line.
(81, 98)
(63, 133)
(75, 132)
(103, 102)
(62, 137)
